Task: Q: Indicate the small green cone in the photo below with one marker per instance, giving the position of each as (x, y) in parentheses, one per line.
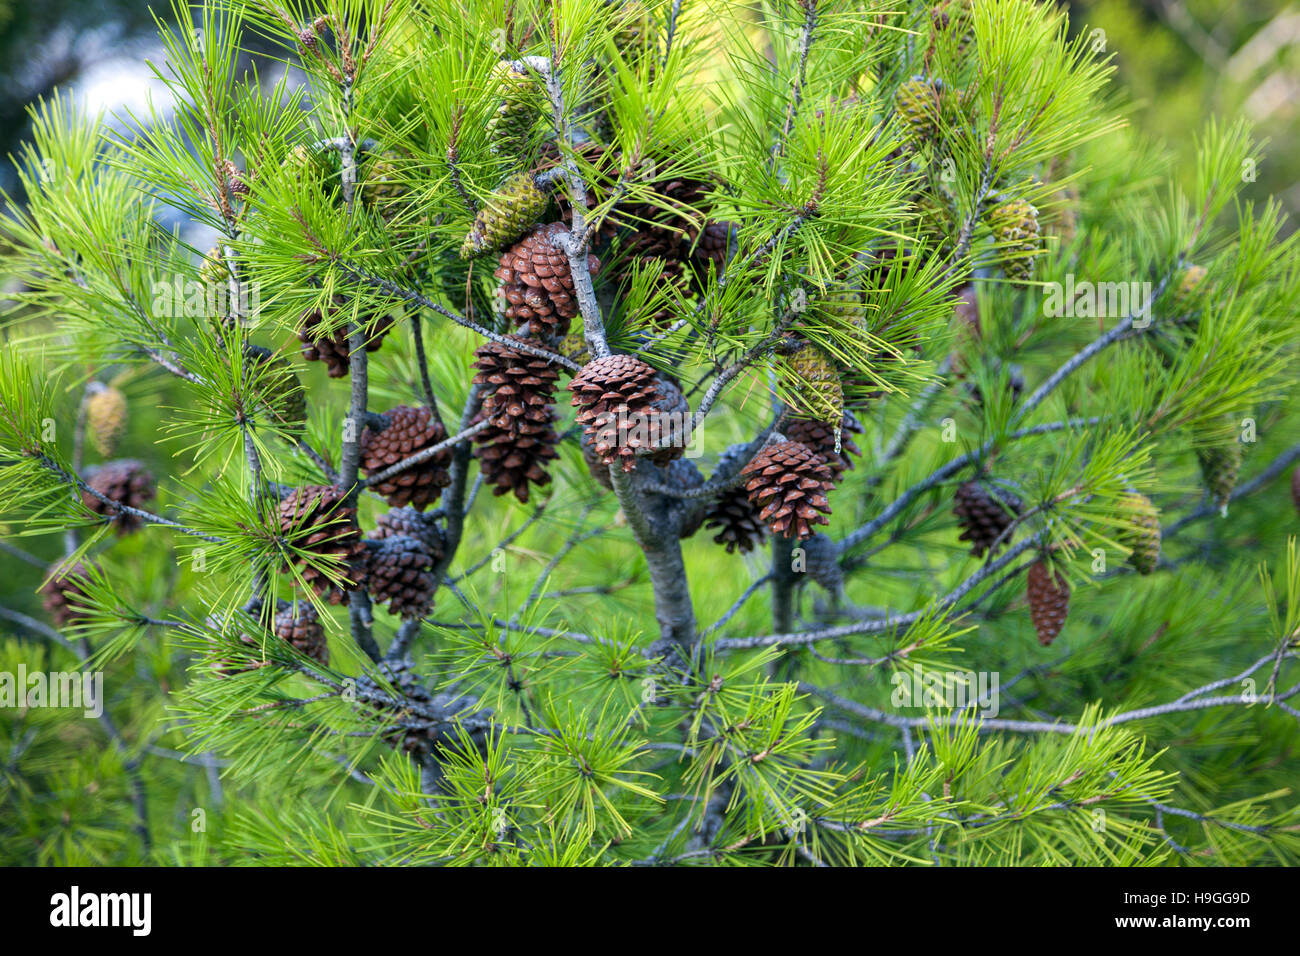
(213, 273)
(1188, 290)
(106, 416)
(1142, 536)
(812, 384)
(381, 182)
(1015, 229)
(509, 128)
(1220, 466)
(508, 213)
(917, 102)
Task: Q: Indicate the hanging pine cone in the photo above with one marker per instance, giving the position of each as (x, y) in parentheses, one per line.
(331, 346)
(737, 521)
(382, 182)
(820, 437)
(287, 399)
(789, 482)
(1143, 535)
(314, 519)
(537, 283)
(1187, 289)
(126, 482)
(1049, 601)
(406, 431)
(298, 624)
(713, 249)
(917, 102)
(106, 417)
(401, 575)
(811, 383)
(1220, 462)
(1015, 230)
(983, 517)
(509, 129)
(506, 215)
(63, 596)
(821, 562)
(616, 395)
(213, 271)
(518, 392)
(309, 167)
(416, 524)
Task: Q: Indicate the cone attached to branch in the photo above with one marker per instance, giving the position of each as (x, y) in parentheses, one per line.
(821, 438)
(326, 543)
(401, 575)
(509, 127)
(811, 383)
(321, 344)
(822, 564)
(736, 521)
(1015, 229)
(537, 283)
(408, 521)
(1049, 601)
(616, 396)
(298, 624)
(1143, 535)
(1187, 289)
(1220, 466)
(518, 394)
(106, 418)
(788, 482)
(287, 399)
(984, 516)
(62, 595)
(126, 482)
(506, 215)
(402, 432)
(382, 182)
(917, 102)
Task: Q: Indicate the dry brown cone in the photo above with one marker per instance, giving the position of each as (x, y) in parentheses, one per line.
(401, 575)
(105, 417)
(405, 432)
(712, 248)
(408, 521)
(789, 482)
(298, 624)
(822, 563)
(1049, 601)
(125, 482)
(332, 347)
(314, 519)
(62, 595)
(518, 394)
(537, 283)
(616, 396)
(983, 517)
(736, 520)
(820, 437)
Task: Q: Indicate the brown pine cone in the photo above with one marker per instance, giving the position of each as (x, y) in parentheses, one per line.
(820, 437)
(537, 283)
(518, 394)
(514, 460)
(736, 520)
(983, 516)
(789, 482)
(313, 519)
(401, 575)
(126, 482)
(1049, 601)
(616, 395)
(406, 431)
(712, 250)
(408, 521)
(105, 417)
(298, 624)
(331, 347)
(63, 596)
(822, 562)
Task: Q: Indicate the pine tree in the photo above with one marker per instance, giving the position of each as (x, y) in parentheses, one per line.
(740, 241)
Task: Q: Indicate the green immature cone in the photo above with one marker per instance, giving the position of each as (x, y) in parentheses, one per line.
(106, 418)
(508, 213)
(382, 183)
(1188, 289)
(512, 123)
(1220, 465)
(1142, 537)
(1015, 229)
(286, 397)
(811, 384)
(917, 102)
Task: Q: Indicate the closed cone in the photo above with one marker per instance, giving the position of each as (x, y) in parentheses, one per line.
(314, 521)
(1220, 466)
(506, 215)
(1049, 601)
(917, 103)
(401, 575)
(788, 482)
(408, 521)
(125, 482)
(1015, 230)
(106, 418)
(1143, 535)
(298, 624)
(404, 432)
(984, 516)
(511, 124)
(811, 384)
